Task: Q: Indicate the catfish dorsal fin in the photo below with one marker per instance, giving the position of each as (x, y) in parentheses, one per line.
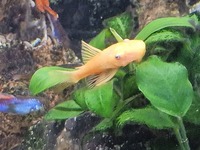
(88, 51)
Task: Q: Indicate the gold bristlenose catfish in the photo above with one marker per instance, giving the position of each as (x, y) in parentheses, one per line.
(101, 65)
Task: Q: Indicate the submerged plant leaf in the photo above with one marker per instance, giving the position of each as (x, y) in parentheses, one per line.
(64, 110)
(149, 116)
(79, 97)
(129, 85)
(103, 125)
(166, 85)
(162, 23)
(99, 40)
(122, 23)
(100, 100)
(116, 35)
(165, 42)
(47, 77)
(165, 36)
(189, 56)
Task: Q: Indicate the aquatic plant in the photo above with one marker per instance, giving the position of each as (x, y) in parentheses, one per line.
(161, 92)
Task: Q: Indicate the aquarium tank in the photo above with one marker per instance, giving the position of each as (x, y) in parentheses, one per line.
(99, 74)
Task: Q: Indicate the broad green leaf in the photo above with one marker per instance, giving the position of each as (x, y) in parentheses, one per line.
(47, 77)
(162, 23)
(64, 110)
(99, 40)
(100, 100)
(149, 116)
(122, 23)
(165, 85)
(193, 114)
(79, 97)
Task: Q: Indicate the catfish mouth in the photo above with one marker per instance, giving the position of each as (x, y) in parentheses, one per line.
(125, 63)
(129, 59)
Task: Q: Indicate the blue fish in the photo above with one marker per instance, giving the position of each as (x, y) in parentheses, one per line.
(58, 32)
(20, 106)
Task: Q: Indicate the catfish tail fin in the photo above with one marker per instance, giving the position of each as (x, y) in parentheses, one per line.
(49, 77)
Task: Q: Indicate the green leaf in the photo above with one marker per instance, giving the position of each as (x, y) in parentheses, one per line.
(103, 125)
(165, 36)
(189, 56)
(100, 100)
(99, 40)
(164, 42)
(193, 114)
(166, 85)
(79, 97)
(149, 116)
(129, 85)
(116, 35)
(64, 110)
(47, 77)
(122, 23)
(162, 23)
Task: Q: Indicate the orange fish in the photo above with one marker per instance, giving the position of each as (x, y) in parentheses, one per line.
(44, 6)
(101, 66)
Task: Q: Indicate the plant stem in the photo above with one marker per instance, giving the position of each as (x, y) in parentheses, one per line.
(179, 138)
(123, 104)
(183, 133)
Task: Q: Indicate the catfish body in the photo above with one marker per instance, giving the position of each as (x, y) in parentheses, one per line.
(104, 64)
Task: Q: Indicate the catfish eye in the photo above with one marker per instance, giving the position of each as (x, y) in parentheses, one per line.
(117, 56)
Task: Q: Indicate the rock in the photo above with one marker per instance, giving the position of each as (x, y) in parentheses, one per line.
(153, 9)
(75, 130)
(42, 136)
(76, 135)
(2, 39)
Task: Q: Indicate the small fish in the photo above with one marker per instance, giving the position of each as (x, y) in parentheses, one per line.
(17, 105)
(101, 66)
(58, 32)
(44, 6)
